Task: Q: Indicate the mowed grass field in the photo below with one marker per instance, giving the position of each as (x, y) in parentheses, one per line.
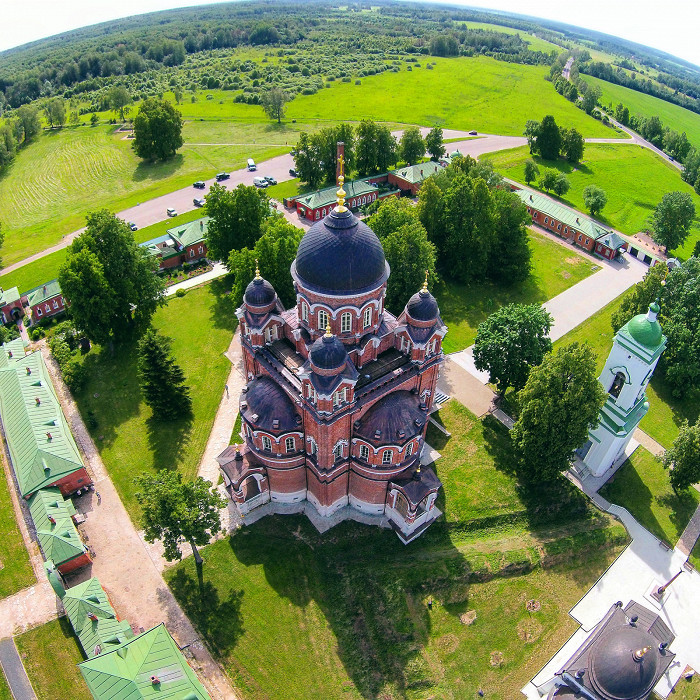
(464, 307)
(672, 116)
(534, 42)
(130, 440)
(634, 178)
(666, 413)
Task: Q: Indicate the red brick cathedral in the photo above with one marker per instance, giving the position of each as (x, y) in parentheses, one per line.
(338, 390)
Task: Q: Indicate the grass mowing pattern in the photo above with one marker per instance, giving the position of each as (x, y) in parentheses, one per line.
(464, 307)
(345, 613)
(666, 413)
(130, 441)
(641, 485)
(50, 654)
(634, 178)
(15, 568)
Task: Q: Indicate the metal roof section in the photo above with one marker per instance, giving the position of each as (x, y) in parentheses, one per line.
(328, 195)
(416, 174)
(7, 296)
(189, 234)
(52, 516)
(94, 620)
(41, 444)
(40, 294)
(147, 666)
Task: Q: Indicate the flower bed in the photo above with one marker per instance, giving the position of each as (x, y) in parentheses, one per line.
(181, 274)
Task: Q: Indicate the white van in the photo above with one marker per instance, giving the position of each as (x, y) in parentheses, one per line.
(260, 182)
(251, 165)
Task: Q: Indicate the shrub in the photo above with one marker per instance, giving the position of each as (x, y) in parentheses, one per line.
(180, 293)
(358, 82)
(74, 374)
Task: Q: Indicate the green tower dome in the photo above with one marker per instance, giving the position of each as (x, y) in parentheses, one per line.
(645, 329)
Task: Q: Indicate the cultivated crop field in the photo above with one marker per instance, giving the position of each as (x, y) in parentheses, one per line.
(634, 178)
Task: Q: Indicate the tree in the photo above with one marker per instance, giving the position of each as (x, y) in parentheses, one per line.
(412, 146)
(672, 219)
(55, 111)
(590, 98)
(561, 185)
(548, 141)
(572, 145)
(409, 254)
(683, 458)
(157, 130)
(8, 145)
(176, 511)
(531, 171)
(109, 281)
(274, 252)
(94, 119)
(391, 214)
(307, 161)
(532, 131)
(387, 148)
(236, 219)
(274, 103)
(433, 143)
(509, 260)
(559, 403)
(366, 147)
(549, 179)
(430, 208)
(161, 378)
(118, 98)
(27, 123)
(622, 114)
(642, 294)
(594, 198)
(510, 342)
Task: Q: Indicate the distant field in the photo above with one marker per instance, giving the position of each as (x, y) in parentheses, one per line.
(536, 44)
(634, 178)
(671, 115)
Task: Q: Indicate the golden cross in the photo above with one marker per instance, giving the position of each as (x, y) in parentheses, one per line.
(341, 163)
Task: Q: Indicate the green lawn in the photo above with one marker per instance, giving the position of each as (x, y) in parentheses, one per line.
(50, 654)
(634, 178)
(346, 613)
(460, 93)
(289, 188)
(15, 568)
(666, 413)
(672, 116)
(130, 441)
(695, 555)
(54, 182)
(641, 485)
(464, 307)
(5, 693)
(535, 43)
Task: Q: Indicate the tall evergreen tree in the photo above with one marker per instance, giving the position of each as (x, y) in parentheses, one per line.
(162, 379)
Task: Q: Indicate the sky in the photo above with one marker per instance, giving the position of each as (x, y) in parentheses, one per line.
(670, 26)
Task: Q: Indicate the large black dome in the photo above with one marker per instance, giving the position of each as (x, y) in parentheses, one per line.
(616, 673)
(393, 419)
(268, 407)
(259, 292)
(422, 306)
(340, 254)
(328, 353)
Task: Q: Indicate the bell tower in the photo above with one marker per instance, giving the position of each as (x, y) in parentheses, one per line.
(635, 353)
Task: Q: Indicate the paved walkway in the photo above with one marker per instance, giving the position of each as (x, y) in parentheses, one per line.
(13, 668)
(648, 443)
(690, 535)
(124, 567)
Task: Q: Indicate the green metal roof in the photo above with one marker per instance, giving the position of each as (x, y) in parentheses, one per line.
(644, 331)
(327, 196)
(100, 635)
(191, 233)
(126, 672)
(38, 295)
(619, 422)
(52, 517)
(612, 240)
(37, 460)
(12, 349)
(417, 173)
(7, 296)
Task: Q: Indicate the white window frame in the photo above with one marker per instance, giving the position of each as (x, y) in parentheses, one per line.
(312, 393)
(55, 303)
(38, 311)
(367, 317)
(338, 450)
(304, 311)
(346, 322)
(409, 449)
(314, 446)
(191, 252)
(387, 457)
(266, 444)
(289, 444)
(364, 453)
(323, 319)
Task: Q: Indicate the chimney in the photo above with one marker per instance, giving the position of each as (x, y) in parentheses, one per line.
(92, 617)
(9, 353)
(44, 289)
(29, 370)
(52, 520)
(38, 400)
(341, 152)
(155, 680)
(48, 436)
(201, 226)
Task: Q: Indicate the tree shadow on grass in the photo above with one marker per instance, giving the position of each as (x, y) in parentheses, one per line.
(223, 311)
(167, 440)
(682, 506)
(158, 170)
(219, 620)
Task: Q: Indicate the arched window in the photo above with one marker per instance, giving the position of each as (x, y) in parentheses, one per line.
(318, 214)
(322, 320)
(617, 385)
(367, 317)
(386, 457)
(250, 488)
(304, 311)
(364, 453)
(313, 448)
(346, 323)
(409, 449)
(266, 443)
(338, 451)
(323, 213)
(289, 444)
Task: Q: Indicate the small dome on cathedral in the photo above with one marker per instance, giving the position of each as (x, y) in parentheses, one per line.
(328, 353)
(645, 328)
(422, 306)
(259, 291)
(340, 254)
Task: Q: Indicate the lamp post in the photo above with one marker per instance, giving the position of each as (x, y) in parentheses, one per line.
(659, 592)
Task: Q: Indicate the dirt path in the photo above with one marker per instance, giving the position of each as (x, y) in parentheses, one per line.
(124, 567)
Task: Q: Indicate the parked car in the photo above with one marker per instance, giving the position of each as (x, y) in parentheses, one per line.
(171, 212)
(472, 133)
(222, 176)
(270, 180)
(260, 182)
(251, 165)
(199, 202)
(293, 172)
(133, 226)
(200, 185)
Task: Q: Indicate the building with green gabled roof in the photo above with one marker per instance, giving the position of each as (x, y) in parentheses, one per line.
(191, 239)
(45, 300)
(94, 620)
(55, 530)
(10, 305)
(412, 177)
(42, 449)
(147, 666)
